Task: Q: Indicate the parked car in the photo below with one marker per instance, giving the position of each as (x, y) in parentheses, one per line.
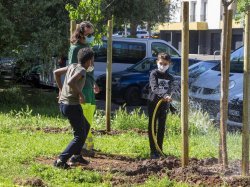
(197, 69)
(127, 85)
(142, 34)
(235, 111)
(120, 34)
(193, 73)
(7, 66)
(206, 88)
(128, 51)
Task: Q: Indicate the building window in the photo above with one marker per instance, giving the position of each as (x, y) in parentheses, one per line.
(204, 16)
(193, 11)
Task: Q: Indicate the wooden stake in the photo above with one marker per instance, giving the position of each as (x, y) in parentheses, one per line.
(109, 75)
(224, 92)
(184, 81)
(72, 27)
(246, 98)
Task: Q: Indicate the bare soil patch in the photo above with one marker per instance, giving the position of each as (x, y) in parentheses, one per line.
(53, 130)
(126, 170)
(30, 182)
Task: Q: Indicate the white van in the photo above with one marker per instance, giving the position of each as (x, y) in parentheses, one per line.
(128, 51)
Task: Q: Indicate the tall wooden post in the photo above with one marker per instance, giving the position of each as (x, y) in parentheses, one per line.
(246, 98)
(109, 74)
(224, 92)
(72, 27)
(184, 81)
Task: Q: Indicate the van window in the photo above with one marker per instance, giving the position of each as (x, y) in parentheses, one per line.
(123, 52)
(158, 47)
(100, 52)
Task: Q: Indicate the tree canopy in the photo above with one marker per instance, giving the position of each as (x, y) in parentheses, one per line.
(38, 30)
(34, 29)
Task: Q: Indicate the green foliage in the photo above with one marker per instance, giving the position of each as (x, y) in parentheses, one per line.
(34, 30)
(241, 9)
(89, 10)
(137, 12)
(165, 182)
(125, 121)
(66, 178)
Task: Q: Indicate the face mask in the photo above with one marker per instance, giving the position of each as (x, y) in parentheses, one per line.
(162, 68)
(90, 69)
(89, 40)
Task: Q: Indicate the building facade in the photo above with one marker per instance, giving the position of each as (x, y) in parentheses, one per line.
(205, 17)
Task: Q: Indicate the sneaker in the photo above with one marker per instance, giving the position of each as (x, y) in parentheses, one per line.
(60, 164)
(88, 153)
(154, 156)
(78, 159)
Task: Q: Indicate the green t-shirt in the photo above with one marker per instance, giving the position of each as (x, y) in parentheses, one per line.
(73, 51)
(87, 90)
(68, 95)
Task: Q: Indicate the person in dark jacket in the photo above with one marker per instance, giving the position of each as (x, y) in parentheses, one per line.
(160, 83)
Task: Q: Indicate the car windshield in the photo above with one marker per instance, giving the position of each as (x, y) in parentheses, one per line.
(144, 65)
(199, 68)
(236, 61)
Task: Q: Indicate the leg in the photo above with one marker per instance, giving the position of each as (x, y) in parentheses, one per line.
(80, 130)
(151, 107)
(161, 116)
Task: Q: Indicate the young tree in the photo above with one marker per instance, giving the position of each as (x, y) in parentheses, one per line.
(225, 66)
(89, 10)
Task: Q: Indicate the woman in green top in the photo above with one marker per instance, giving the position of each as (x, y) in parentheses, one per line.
(81, 38)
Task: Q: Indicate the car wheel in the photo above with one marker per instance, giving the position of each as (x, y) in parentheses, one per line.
(133, 96)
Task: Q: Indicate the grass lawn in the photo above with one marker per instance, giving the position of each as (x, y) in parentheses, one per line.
(24, 116)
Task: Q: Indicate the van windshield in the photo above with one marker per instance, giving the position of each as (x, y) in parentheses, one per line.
(158, 47)
(236, 61)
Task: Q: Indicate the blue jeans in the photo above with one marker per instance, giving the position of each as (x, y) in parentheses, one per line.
(80, 127)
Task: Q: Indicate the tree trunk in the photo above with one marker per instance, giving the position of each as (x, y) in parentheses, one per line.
(133, 28)
(225, 39)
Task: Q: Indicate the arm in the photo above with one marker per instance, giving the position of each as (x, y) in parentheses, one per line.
(72, 82)
(57, 74)
(95, 86)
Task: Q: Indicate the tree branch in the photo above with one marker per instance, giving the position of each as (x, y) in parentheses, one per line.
(109, 5)
(227, 3)
(230, 2)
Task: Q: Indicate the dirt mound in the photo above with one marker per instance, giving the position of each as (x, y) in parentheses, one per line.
(128, 171)
(36, 182)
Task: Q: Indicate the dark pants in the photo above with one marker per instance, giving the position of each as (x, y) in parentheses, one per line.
(80, 127)
(160, 116)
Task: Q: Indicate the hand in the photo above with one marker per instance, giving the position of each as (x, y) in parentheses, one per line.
(81, 99)
(96, 89)
(167, 99)
(59, 94)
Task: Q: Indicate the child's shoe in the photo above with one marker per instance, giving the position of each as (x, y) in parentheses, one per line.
(154, 156)
(78, 159)
(60, 164)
